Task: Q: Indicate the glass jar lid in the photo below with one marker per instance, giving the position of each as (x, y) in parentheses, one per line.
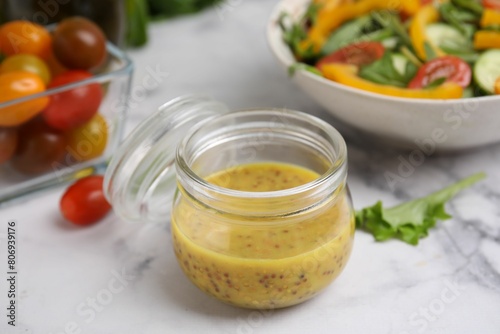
(140, 180)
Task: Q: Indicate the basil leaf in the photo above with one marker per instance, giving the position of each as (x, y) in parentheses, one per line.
(410, 72)
(384, 72)
(296, 32)
(462, 20)
(391, 20)
(471, 5)
(345, 34)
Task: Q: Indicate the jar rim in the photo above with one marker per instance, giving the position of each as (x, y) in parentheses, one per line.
(337, 165)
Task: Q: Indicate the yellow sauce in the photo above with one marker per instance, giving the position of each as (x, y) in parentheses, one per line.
(258, 262)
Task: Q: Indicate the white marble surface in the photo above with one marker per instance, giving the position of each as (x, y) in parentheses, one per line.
(450, 283)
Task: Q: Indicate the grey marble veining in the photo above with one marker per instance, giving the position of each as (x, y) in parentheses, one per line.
(450, 283)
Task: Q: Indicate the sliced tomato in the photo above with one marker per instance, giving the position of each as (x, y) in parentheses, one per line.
(362, 53)
(452, 68)
(492, 4)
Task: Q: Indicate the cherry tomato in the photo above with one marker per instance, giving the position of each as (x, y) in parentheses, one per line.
(14, 85)
(362, 53)
(79, 43)
(24, 37)
(88, 141)
(452, 68)
(75, 107)
(492, 4)
(8, 143)
(40, 147)
(497, 86)
(84, 203)
(27, 63)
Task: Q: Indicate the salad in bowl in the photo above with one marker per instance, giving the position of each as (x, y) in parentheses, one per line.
(403, 48)
(409, 74)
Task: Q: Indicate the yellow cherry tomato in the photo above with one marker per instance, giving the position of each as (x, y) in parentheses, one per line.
(89, 140)
(28, 63)
(24, 37)
(15, 85)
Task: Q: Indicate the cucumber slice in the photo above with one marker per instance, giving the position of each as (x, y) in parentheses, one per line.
(487, 70)
(400, 62)
(445, 36)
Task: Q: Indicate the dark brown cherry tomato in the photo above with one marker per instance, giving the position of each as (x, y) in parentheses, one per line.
(451, 68)
(362, 53)
(79, 43)
(39, 148)
(75, 107)
(84, 203)
(8, 143)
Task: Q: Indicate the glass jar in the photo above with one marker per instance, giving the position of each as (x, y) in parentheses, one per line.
(253, 249)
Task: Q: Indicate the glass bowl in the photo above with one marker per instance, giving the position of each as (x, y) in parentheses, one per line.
(73, 161)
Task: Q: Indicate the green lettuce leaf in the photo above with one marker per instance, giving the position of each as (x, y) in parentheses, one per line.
(412, 220)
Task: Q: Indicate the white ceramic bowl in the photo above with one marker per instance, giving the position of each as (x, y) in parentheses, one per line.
(432, 125)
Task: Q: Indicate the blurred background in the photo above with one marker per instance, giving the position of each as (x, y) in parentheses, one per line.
(124, 21)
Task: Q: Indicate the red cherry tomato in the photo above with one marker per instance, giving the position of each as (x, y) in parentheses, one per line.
(75, 107)
(39, 148)
(84, 203)
(8, 143)
(362, 53)
(452, 68)
(79, 43)
(492, 4)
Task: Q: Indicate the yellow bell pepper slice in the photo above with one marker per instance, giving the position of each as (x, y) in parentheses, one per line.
(334, 13)
(347, 75)
(497, 86)
(485, 39)
(425, 16)
(490, 17)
